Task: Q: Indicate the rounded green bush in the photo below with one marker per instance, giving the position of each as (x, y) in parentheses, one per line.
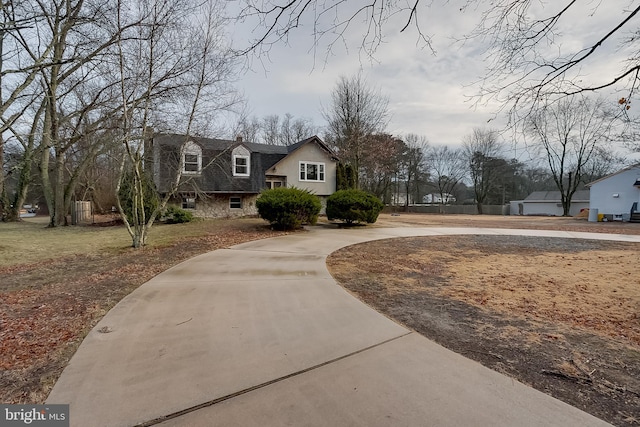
(354, 206)
(176, 215)
(288, 208)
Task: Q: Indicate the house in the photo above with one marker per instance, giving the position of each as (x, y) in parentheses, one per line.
(615, 194)
(437, 198)
(222, 178)
(549, 203)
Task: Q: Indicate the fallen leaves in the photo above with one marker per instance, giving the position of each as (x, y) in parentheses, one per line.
(46, 309)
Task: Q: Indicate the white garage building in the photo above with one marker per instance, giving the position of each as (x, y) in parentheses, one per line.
(549, 203)
(616, 194)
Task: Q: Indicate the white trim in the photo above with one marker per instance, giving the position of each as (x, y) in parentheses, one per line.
(248, 165)
(322, 171)
(188, 200)
(192, 149)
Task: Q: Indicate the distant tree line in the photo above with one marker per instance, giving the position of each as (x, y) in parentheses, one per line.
(571, 140)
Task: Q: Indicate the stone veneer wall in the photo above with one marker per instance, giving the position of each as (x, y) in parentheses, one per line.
(217, 206)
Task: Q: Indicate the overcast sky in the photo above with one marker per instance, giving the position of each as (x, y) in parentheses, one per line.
(428, 93)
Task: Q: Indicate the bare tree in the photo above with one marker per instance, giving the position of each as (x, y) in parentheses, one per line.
(273, 130)
(293, 130)
(330, 21)
(54, 51)
(64, 94)
(380, 164)
(22, 171)
(569, 134)
(248, 128)
(482, 151)
(20, 66)
(603, 162)
(357, 111)
(414, 166)
(447, 168)
(171, 63)
(97, 182)
(528, 54)
(530, 63)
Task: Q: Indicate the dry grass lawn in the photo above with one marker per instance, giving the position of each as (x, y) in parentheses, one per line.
(57, 283)
(562, 315)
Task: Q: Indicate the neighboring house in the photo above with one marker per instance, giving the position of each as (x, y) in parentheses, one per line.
(549, 203)
(445, 198)
(221, 178)
(399, 198)
(616, 194)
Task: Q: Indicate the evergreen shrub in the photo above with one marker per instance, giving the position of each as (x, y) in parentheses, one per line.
(288, 208)
(354, 206)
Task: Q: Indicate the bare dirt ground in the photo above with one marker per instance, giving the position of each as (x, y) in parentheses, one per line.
(561, 315)
(496, 221)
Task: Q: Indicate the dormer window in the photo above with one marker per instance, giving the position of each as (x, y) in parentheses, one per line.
(191, 159)
(241, 165)
(191, 163)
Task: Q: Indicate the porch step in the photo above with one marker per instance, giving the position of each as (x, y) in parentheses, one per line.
(635, 217)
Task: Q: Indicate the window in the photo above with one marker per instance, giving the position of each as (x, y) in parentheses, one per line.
(188, 203)
(191, 163)
(240, 165)
(311, 171)
(275, 183)
(191, 158)
(235, 203)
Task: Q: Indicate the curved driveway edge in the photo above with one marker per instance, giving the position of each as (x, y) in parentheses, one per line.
(260, 334)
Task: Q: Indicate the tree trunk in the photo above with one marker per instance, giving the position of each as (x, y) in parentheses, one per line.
(46, 179)
(60, 214)
(4, 199)
(566, 205)
(24, 179)
(136, 243)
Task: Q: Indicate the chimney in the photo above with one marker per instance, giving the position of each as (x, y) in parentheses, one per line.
(239, 138)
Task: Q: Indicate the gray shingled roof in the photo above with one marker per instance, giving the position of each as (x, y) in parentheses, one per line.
(219, 144)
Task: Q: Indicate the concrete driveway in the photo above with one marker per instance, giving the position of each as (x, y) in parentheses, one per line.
(261, 335)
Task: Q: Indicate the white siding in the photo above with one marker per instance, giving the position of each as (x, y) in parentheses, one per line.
(602, 192)
(542, 208)
(552, 208)
(290, 166)
(240, 150)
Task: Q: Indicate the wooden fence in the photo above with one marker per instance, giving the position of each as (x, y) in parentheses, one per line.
(450, 209)
(81, 212)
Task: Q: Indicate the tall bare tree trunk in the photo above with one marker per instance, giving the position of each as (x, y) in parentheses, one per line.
(4, 199)
(60, 217)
